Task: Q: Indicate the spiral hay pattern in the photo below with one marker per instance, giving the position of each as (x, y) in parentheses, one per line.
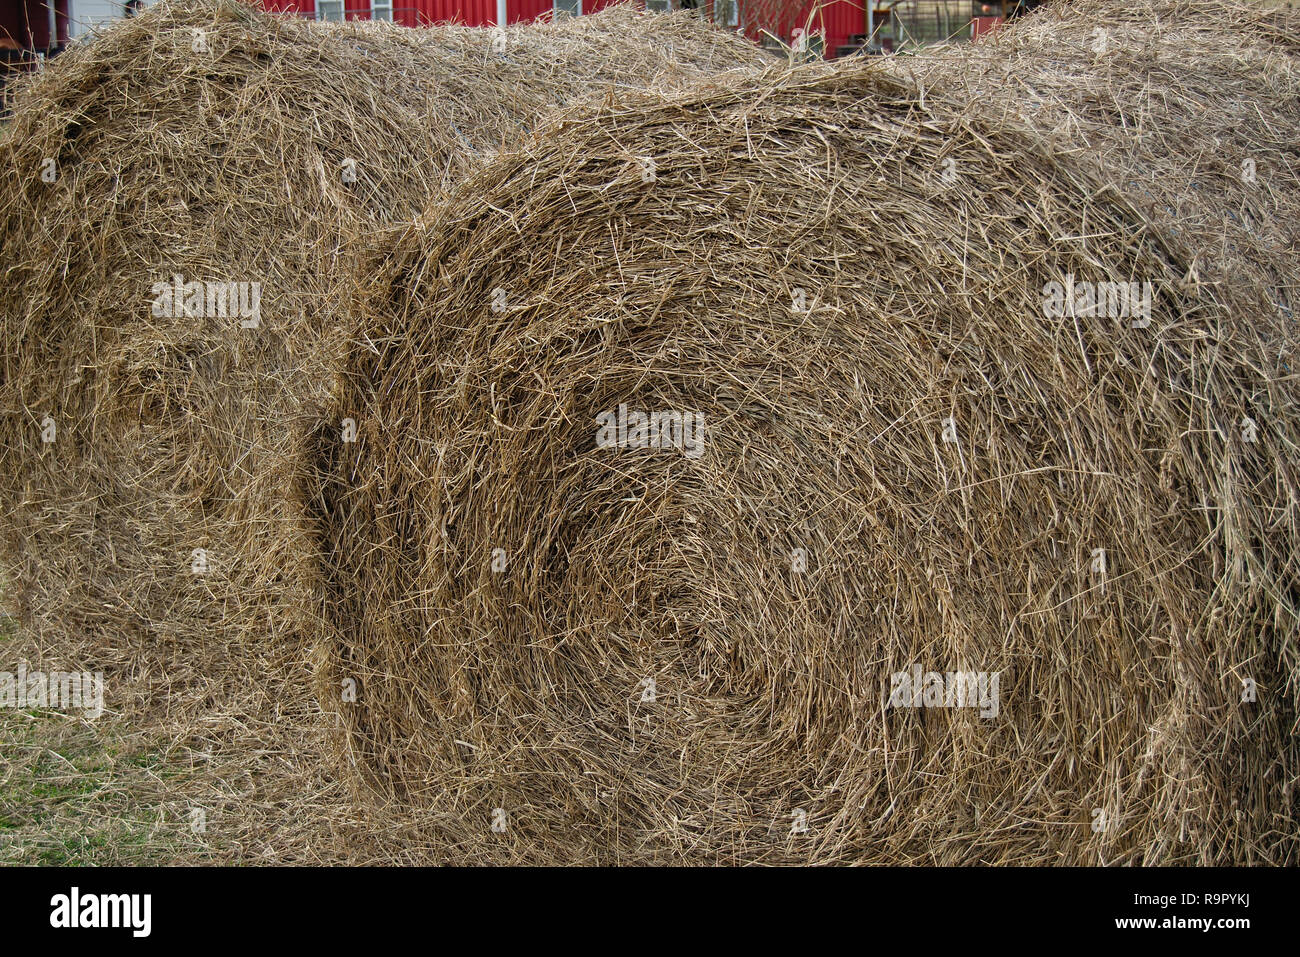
(565, 650)
(212, 142)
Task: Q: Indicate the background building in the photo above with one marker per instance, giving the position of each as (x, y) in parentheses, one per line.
(827, 28)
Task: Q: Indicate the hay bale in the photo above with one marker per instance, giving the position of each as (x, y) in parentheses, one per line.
(617, 652)
(1187, 107)
(213, 142)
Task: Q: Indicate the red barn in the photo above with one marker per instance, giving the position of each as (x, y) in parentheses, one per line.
(475, 13)
(33, 25)
(829, 27)
(828, 24)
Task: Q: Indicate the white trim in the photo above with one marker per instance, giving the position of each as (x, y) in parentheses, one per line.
(86, 17)
(726, 6)
(332, 4)
(501, 13)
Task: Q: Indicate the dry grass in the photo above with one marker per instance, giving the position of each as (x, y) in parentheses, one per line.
(1186, 107)
(523, 689)
(1123, 736)
(223, 164)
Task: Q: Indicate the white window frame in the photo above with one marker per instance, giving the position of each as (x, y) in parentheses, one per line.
(381, 10)
(332, 4)
(557, 10)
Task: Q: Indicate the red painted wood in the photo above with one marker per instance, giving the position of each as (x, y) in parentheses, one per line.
(14, 18)
(300, 7)
(27, 23)
(836, 20)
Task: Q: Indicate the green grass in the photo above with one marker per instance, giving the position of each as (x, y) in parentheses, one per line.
(79, 794)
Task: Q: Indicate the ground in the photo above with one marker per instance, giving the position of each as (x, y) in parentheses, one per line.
(80, 792)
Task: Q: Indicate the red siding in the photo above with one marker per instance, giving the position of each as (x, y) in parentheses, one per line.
(475, 13)
(14, 21)
(27, 23)
(413, 13)
(520, 10)
(836, 20)
(841, 19)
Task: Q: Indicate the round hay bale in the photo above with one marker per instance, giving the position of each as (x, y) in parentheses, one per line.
(1187, 107)
(731, 484)
(181, 202)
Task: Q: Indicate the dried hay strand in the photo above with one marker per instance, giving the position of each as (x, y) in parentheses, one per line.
(1187, 107)
(630, 654)
(209, 141)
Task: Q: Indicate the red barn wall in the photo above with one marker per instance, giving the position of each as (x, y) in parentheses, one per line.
(475, 13)
(14, 21)
(27, 23)
(523, 10)
(290, 6)
(413, 13)
(836, 20)
(841, 19)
